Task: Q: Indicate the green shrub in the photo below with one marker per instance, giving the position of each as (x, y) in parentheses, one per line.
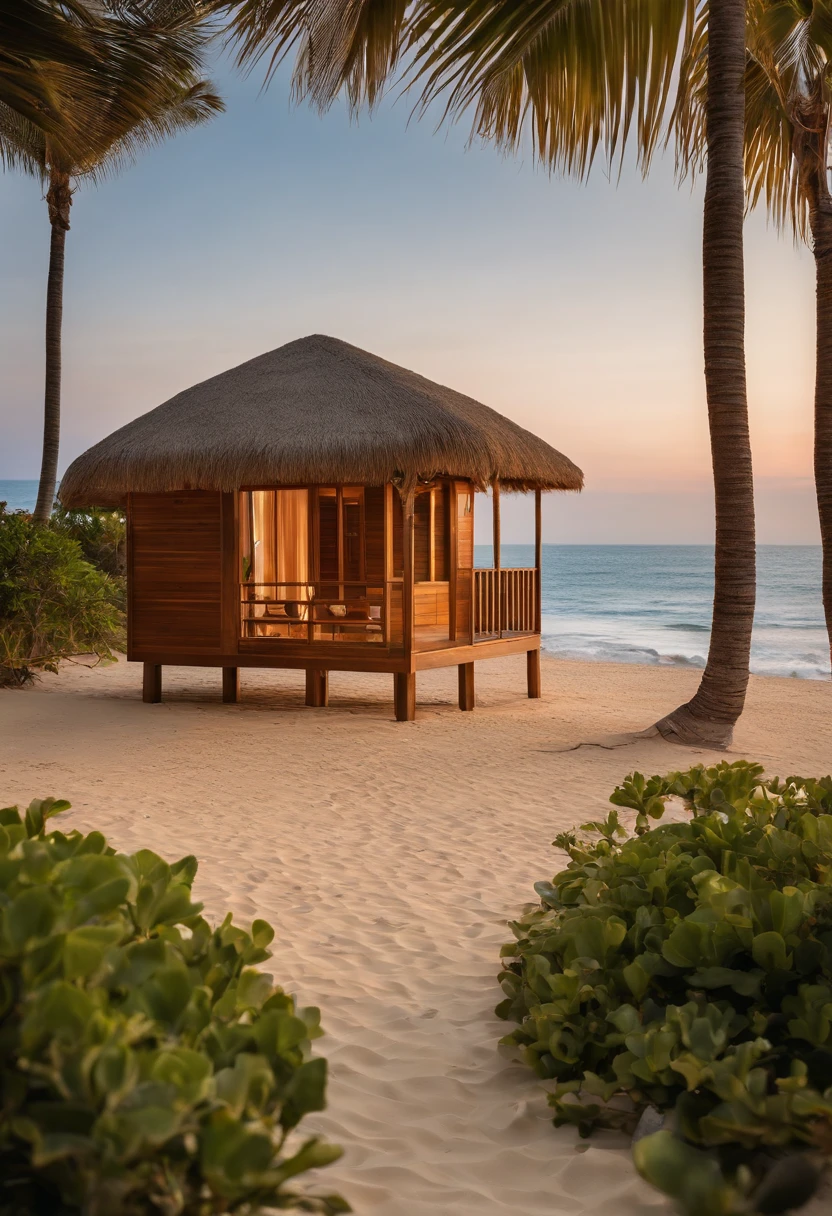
(146, 1065)
(689, 967)
(53, 604)
(101, 534)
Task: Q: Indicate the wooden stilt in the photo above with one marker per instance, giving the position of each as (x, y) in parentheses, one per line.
(152, 683)
(466, 685)
(404, 691)
(231, 685)
(533, 673)
(317, 688)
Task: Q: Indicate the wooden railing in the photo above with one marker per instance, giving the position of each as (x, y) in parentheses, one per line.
(310, 612)
(505, 601)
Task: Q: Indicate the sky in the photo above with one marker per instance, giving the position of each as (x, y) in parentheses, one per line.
(574, 309)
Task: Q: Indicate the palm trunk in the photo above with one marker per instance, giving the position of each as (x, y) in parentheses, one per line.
(710, 716)
(59, 201)
(820, 216)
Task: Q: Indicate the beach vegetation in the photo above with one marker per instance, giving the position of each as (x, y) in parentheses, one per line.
(53, 603)
(148, 1064)
(685, 965)
(101, 535)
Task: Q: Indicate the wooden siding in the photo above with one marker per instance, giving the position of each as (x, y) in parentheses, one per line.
(421, 539)
(398, 535)
(463, 604)
(396, 636)
(465, 526)
(175, 568)
(441, 532)
(374, 533)
(431, 601)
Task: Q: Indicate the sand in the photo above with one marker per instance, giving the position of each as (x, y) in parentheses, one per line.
(388, 856)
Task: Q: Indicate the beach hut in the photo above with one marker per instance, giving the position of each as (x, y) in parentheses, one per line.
(313, 508)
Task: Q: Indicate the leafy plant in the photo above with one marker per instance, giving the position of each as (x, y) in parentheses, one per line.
(688, 967)
(53, 604)
(146, 1065)
(101, 534)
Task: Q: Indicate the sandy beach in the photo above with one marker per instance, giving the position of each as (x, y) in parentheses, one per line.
(388, 856)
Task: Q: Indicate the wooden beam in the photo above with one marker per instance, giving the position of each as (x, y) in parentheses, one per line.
(533, 673)
(230, 685)
(466, 686)
(388, 558)
(495, 507)
(498, 589)
(317, 688)
(491, 648)
(404, 694)
(453, 557)
(408, 583)
(152, 683)
(538, 560)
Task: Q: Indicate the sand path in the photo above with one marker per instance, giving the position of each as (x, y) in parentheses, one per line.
(388, 857)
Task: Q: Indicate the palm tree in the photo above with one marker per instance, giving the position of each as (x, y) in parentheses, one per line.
(587, 74)
(154, 52)
(788, 118)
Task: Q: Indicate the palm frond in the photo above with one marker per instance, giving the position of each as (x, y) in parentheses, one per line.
(353, 45)
(179, 111)
(583, 74)
(22, 144)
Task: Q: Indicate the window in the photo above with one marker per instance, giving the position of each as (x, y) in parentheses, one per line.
(306, 558)
(275, 562)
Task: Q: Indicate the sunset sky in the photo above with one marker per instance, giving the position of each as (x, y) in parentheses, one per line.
(573, 309)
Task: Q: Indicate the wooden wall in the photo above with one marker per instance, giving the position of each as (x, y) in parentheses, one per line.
(374, 533)
(431, 604)
(175, 566)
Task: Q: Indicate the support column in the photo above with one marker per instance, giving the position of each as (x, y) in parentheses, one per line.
(408, 582)
(533, 673)
(466, 686)
(495, 504)
(152, 683)
(538, 560)
(404, 693)
(317, 688)
(230, 685)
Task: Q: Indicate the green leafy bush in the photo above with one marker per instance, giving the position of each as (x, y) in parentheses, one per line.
(53, 604)
(101, 534)
(689, 967)
(146, 1065)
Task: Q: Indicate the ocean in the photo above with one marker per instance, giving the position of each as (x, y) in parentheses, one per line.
(652, 603)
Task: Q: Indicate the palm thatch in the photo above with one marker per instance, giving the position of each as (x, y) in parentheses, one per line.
(314, 412)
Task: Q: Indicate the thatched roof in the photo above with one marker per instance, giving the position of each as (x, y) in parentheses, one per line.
(316, 411)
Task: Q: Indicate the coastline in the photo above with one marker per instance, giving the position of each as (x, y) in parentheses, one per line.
(389, 857)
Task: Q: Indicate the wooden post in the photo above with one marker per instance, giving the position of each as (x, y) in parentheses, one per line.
(317, 688)
(408, 584)
(538, 561)
(404, 692)
(152, 683)
(231, 685)
(388, 559)
(533, 673)
(466, 685)
(453, 557)
(498, 596)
